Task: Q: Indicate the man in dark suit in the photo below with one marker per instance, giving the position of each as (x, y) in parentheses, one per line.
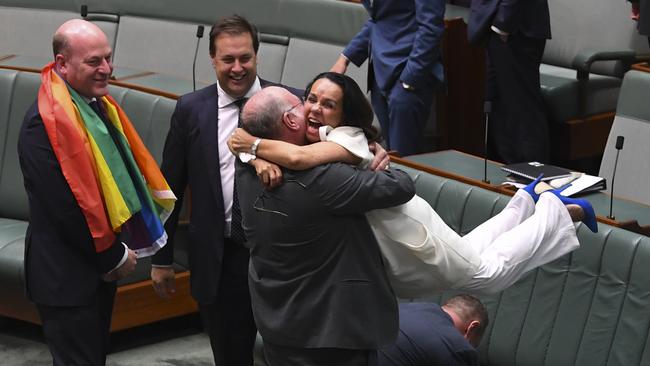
(402, 40)
(196, 156)
(319, 290)
(430, 334)
(70, 273)
(515, 33)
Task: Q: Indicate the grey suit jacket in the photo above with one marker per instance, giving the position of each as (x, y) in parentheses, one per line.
(316, 275)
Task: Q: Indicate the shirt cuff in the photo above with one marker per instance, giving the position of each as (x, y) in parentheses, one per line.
(124, 257)
(499, 31)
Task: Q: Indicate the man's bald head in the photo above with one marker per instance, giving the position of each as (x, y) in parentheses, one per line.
(70, 31)
(82, 57)
(275, 113)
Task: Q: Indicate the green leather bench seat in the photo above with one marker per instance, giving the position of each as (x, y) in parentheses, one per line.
(561, 92)
(150, 115)
(578, 29)
(12, 246)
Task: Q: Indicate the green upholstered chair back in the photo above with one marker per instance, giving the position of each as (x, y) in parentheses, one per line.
(632, 121)
(18, 90)
(579, 25)
(150, 114)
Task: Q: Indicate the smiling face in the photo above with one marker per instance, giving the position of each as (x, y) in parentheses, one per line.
(323, 107)
(85, 63)
(235, 63)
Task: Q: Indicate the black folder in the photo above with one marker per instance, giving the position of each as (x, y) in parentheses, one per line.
(532, 170)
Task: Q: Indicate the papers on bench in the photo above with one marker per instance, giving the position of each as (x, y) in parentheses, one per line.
(579, 183)
(583, 183)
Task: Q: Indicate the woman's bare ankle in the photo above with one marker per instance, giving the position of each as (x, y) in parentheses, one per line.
(576, 212)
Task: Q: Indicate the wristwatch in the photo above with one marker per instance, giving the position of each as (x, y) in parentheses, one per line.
(254, 146)
(407, 86)
(245, 157)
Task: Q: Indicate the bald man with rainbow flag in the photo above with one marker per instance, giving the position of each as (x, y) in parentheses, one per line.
(97, 198)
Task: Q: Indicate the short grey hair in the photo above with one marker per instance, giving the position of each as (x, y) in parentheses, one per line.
(264, 119)
(60, 44)
(469, 308)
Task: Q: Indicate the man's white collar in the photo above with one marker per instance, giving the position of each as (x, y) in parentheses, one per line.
(225, 99)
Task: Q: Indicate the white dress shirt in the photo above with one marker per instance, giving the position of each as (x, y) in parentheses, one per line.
(228, 117)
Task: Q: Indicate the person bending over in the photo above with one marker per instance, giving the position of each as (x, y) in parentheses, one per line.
(423, 254)
(430, 334)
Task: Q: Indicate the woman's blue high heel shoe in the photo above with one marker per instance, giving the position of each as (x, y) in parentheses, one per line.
(590, 215)
(530, 188)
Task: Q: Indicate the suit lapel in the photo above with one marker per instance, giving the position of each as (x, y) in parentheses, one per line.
(370, 6)
(209, 131)
(208, 118)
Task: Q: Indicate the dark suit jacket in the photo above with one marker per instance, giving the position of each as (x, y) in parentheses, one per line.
(403, 39)
(316, 275)
(427, 337)
(191, 158)
(62, 267)
(528, 17)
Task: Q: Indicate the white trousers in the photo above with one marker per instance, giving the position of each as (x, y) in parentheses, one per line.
(423, 255)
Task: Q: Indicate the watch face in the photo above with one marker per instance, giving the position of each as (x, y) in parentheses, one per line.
(255, 145)
(246, 157)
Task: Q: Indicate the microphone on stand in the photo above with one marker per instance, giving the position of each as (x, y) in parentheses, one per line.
(487, 109)
(199, 35)
(619, 147)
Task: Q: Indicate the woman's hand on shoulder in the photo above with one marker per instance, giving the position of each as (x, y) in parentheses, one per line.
(270, 174)
(381, 160)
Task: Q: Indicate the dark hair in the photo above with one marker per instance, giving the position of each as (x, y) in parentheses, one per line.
(233, 25)
(59, 44)
(357, 111)
(470, 308)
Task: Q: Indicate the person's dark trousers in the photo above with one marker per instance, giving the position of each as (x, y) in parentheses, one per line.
(229, 320)
(79, 335)
(518, 128)
(402, 115)
(289, 356)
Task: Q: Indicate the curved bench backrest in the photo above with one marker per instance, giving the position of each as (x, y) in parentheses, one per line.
(18, 90)
(632, 121)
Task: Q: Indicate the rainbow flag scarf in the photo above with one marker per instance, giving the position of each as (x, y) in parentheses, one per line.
(114, 190)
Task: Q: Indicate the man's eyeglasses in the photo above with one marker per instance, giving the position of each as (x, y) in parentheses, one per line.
(293, 107)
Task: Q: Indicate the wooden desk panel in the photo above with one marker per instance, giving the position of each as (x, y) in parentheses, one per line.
(460, 107)
(642, 66)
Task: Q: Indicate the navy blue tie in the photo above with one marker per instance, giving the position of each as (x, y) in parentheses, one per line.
(236, 230)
